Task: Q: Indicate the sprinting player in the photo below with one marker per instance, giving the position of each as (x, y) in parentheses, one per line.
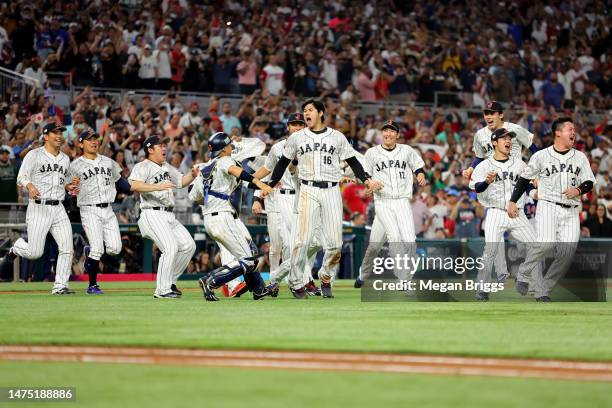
(100, 178)
(392, 165)
(319, 151)
(494, 180)
(493, 114)
(221, 177)
(279, 207)
(154, 179)
(563, 174)
(44, 173)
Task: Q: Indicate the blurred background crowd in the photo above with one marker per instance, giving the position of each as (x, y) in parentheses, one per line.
(431, 67)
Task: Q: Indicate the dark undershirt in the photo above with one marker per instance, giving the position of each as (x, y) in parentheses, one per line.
(565, 152)
(318, 132)
(389, 150)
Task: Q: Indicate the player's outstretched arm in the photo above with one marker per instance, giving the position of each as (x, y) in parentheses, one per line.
(243, 175)
(188, 178)
(279, 170)
(261, 172)
(143, 187)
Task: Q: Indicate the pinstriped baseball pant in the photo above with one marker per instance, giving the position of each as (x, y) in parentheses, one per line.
(497, 223)
(42, 219)
(102, 230)
(559, 231)
(174, 241)
(319, 213)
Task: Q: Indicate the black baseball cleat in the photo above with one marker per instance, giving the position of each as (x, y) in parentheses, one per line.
(63, 291)
(299, 293)
(544, 299)
(176, 290)
(522, 287)
(169, 295)
(209, 294)
(259, 296)
(8, 260)
(358, 283)
(326, 290)
(482, 297)
(312, 289)
(273, 289)
(502, 278)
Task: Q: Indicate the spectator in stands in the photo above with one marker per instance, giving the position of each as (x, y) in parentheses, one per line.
(229, 121)
(599, 225)
(247, 70)
(467, 215)
(8, 177)
(272, 77)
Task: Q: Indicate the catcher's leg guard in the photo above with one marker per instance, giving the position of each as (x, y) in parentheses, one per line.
(226, 273)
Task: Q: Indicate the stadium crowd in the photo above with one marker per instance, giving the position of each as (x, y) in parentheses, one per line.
(540, 60)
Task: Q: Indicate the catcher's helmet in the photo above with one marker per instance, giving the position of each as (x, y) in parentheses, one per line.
(217, 142)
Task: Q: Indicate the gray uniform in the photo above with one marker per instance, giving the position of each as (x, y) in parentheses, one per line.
(158, 223)
(97, 193)
(48, 174)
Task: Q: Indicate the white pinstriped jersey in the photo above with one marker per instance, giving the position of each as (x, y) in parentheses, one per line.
(498, 193)
(48, 173)
(557, 172)
(247, 147)
(288, 181)
(482, 141)
(318, 154)
(98, 178)
(394, 169)
(222, 182)
(152, 173)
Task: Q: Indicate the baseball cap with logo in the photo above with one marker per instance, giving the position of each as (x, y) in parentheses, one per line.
(296, 117)
(87, 134)
(55, 127)
(501, 132)
(390, 125)
(493, 106)
(151, 142)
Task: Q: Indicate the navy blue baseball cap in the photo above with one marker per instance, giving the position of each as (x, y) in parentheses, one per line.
(501, 132)
(296, 117)
(55, 127)
(87, 134)
(493, 106)
(390, 125)
(151, 142)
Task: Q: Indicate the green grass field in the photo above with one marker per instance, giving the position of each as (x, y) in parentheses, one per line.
(128, 315)
(105, 385)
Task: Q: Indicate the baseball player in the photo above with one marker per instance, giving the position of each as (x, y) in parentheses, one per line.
(280, 206)
(393, 165)
(100, 177)
(493, 114)
(494, 179)
(319, 151)
(154, 179)
(221, 177)
(564, 174)
(44, 173)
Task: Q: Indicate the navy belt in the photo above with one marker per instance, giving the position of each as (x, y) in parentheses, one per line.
(286, 191)
(167, 209)
(213, 214)
(47, 202)
(320, 184)
(563, 205)
(101, 205)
